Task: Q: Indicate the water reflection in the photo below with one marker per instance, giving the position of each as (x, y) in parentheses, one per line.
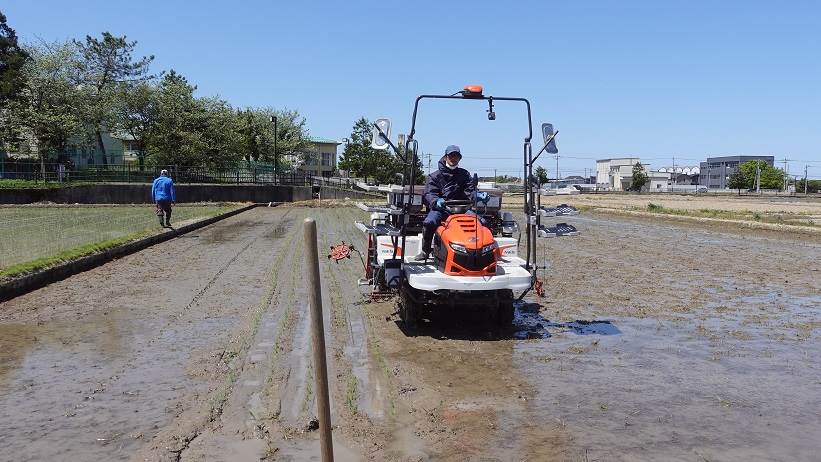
(528, 323)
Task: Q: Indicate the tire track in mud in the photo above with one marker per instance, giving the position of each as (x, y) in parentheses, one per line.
(291, 392)
(297, 392)
(276, 397)
(364, 387)
(358, 388)
(354, 385)
(379, 422)
(203, 433)
(182, 438)
(194, 300)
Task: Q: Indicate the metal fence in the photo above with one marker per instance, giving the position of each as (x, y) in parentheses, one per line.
(247, 173)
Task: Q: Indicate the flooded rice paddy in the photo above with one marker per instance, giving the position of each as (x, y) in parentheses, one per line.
(655, 341)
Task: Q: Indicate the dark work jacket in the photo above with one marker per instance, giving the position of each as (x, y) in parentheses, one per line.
(448, 184)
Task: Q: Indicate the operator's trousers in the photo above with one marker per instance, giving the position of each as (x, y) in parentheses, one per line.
(164, 212)
(431, 222)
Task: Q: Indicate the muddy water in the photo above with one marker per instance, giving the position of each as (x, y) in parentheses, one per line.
(638, 352)
(718, 367)
(93, 366)
(665, 391)
(655, 342)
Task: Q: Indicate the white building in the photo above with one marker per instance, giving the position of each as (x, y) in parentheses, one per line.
(615, 174)
(657, 181)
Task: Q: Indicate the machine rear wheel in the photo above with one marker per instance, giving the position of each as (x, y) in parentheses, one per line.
(408, 311)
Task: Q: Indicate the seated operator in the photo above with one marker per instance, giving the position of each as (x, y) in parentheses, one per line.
(450, 182)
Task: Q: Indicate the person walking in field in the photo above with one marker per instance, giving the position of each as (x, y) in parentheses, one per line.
(164, 195)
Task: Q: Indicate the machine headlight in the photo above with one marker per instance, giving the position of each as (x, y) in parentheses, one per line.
(458, 248)
(489, 248)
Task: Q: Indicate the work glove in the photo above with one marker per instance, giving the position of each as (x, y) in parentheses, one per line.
(482, 196)
(439, 204)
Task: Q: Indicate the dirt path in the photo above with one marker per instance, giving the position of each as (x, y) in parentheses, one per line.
(656, 341)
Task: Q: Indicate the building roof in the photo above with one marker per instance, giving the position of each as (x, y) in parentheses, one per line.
(740, 158)
(685, 169)
(314, 139)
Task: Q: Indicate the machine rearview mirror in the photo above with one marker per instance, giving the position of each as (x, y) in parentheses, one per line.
(380, 140)
(549, 138)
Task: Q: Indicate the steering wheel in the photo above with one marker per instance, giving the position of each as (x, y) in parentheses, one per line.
(457, 205)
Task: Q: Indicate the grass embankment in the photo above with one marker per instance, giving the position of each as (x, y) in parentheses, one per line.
(21, 269)
(31, 184)
(33, 238)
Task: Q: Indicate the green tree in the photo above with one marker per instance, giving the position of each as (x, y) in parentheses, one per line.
(397, 166)
(813, 186)
(44, 117)
(174, 136)
(738, 181)
(640, 178)
(253, 131)
(541, 175)
(292, 138)
(105, 64)
(135, 111)
(361, 160)
(12, 59)
(771, 177)
(220, 133)
(358, 158)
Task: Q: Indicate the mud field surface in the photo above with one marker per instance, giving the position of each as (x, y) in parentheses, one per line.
(810, 206)
(655, 341)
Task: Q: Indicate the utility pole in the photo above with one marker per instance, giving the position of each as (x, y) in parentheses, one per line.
(276, 157)
(757, 177)
(786, 173)
(557, 171)
(805, 179)
(673, 182)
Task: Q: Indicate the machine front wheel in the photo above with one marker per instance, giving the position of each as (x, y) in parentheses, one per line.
(505, 310)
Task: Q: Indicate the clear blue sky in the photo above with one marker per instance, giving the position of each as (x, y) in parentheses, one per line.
(654, 79)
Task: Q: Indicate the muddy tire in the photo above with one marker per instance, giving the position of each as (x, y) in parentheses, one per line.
(505, 310)
(408, 311)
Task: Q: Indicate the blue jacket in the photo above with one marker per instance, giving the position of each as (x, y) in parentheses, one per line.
(448, 184)
(163, 190)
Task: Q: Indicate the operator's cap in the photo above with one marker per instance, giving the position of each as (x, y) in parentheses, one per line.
(453, 148)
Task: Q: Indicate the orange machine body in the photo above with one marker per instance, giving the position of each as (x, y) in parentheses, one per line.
(466, 247)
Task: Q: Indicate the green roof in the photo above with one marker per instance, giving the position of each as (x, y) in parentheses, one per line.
(323, 140)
